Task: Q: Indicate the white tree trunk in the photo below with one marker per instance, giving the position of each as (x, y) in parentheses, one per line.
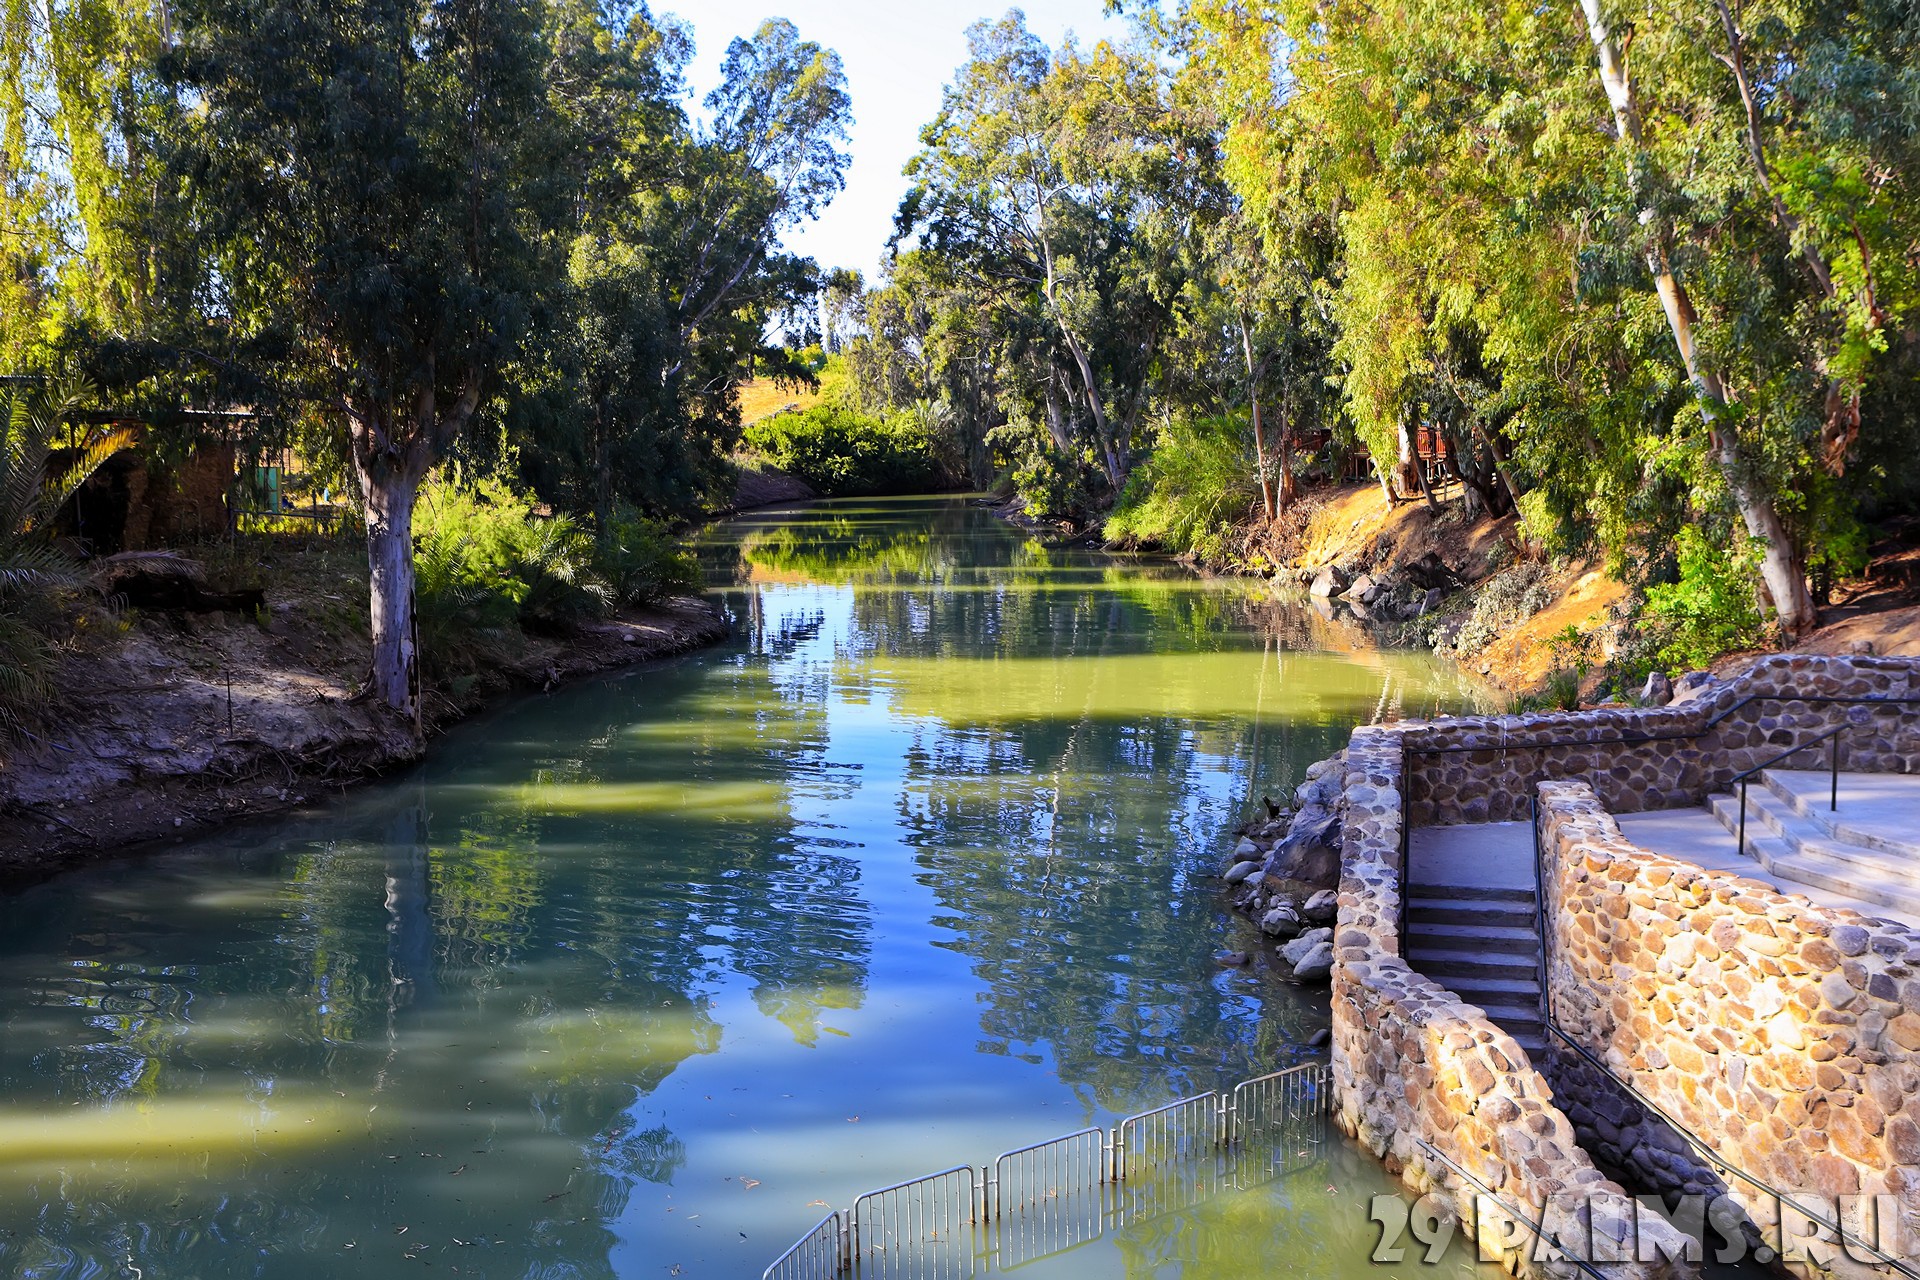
(389, 493)
(1780, 566)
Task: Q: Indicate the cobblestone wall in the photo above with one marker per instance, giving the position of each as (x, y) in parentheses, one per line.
(1414, 1063)
(1784, 1034)
(1482, 768)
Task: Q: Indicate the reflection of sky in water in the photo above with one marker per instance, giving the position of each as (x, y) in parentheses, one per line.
(626, 978)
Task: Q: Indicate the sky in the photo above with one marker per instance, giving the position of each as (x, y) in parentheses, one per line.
(898, 55)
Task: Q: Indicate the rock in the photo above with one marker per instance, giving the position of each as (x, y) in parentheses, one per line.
(1246, 850)
(1240, 871)
(1280, 922)
(1658, 691)
(1316, 964)
(1322, 907)
(1319, 1038)
(1233, 959)
(1296, 951)
(1691, 685)
(1329, 582)
(1431, 601)
(1862, 647)
(1359, 610)
(1363, 591)
(1311, 850)
(1431, 572)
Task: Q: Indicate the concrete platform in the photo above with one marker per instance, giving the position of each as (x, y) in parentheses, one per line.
(1697, 836)
(1483, 855)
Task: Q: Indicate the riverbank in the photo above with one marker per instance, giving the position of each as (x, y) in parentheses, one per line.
(187, 722)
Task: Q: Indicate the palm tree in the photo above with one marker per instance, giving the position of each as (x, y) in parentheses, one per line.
(34, 567)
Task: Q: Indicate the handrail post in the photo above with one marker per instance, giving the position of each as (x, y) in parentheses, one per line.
(1833, 766)
(1742, 841)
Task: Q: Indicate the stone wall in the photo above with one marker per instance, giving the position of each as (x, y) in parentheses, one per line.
(1414, 1063)
(1482, 768)
(1784, 1034)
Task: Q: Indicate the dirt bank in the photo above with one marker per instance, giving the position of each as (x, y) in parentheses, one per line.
(189, 721)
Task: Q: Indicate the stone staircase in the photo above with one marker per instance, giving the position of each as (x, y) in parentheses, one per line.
(1483, 944)
(1868, 848)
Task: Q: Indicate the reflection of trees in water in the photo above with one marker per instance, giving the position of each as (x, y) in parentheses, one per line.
(1090, 944)
(407, 960)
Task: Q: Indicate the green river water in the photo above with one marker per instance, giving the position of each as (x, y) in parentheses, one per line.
(638, 978)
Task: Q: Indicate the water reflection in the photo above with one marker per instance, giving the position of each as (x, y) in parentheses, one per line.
(631, 977)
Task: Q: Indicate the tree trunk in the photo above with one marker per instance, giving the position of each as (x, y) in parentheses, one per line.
(1781, 567)
(389, 495)
(1289, 487)
(1259, 434)
(1412, 475)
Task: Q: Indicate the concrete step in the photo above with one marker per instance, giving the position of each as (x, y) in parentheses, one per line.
(1806, 866)
(1500, 989)
(1451, 963)
(1474, 938)
(1773, 820)
(1457, 911)
(1875, 810)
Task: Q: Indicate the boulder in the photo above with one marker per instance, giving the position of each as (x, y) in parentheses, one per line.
(1658, 691)
(1328, 582)
(1311, 850)
(1245, 850)
(1296, 951)
(1364, 590)
(1316, 964)
(1240, 871)
(1322, 907)
(1280, 922)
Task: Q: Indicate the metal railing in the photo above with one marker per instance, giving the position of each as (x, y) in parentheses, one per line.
(1710, 1156)
(1536, 1225)
(1061, 1193)
(1407, 754)
(1832, 738)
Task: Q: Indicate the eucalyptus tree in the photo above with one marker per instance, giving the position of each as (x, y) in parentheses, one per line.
(1052, 185)
(374, 174)
(674, 274)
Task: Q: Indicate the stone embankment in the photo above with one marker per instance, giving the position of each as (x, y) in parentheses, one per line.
(1784, 1034)
(1786, 1030)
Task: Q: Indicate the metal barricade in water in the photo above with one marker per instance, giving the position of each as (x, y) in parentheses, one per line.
(821, 1254)
(918, 1230)
(1052, 1196)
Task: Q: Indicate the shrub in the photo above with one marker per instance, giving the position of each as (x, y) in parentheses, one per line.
(1711, 610)
(1188, 497)
(486, 561)
(843, 453)
(1510, 596)
(641, 562)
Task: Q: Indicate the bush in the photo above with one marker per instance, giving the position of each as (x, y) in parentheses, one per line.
(1188, 497)
(640, 561)
(1711, 610)
(1510, 596)
(842, 453)
(486, 561)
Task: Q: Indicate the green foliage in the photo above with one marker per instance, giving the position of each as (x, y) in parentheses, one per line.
(1711, 610)
(640, 561)
(1189, 496)
(485, 562)
(843, 453)
(35, 572)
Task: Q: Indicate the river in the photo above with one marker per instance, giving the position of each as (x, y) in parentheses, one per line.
(640, 977)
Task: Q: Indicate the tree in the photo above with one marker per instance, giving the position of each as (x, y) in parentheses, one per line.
(373, 172)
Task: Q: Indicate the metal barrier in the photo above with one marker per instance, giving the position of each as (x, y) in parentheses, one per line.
(1051, 1196)
(921, 1228)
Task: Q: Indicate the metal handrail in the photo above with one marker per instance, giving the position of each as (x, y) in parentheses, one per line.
(1408, 752)
(1831, 737)
(1537, 1225)
(1722, 1166)
(1713, 1158)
